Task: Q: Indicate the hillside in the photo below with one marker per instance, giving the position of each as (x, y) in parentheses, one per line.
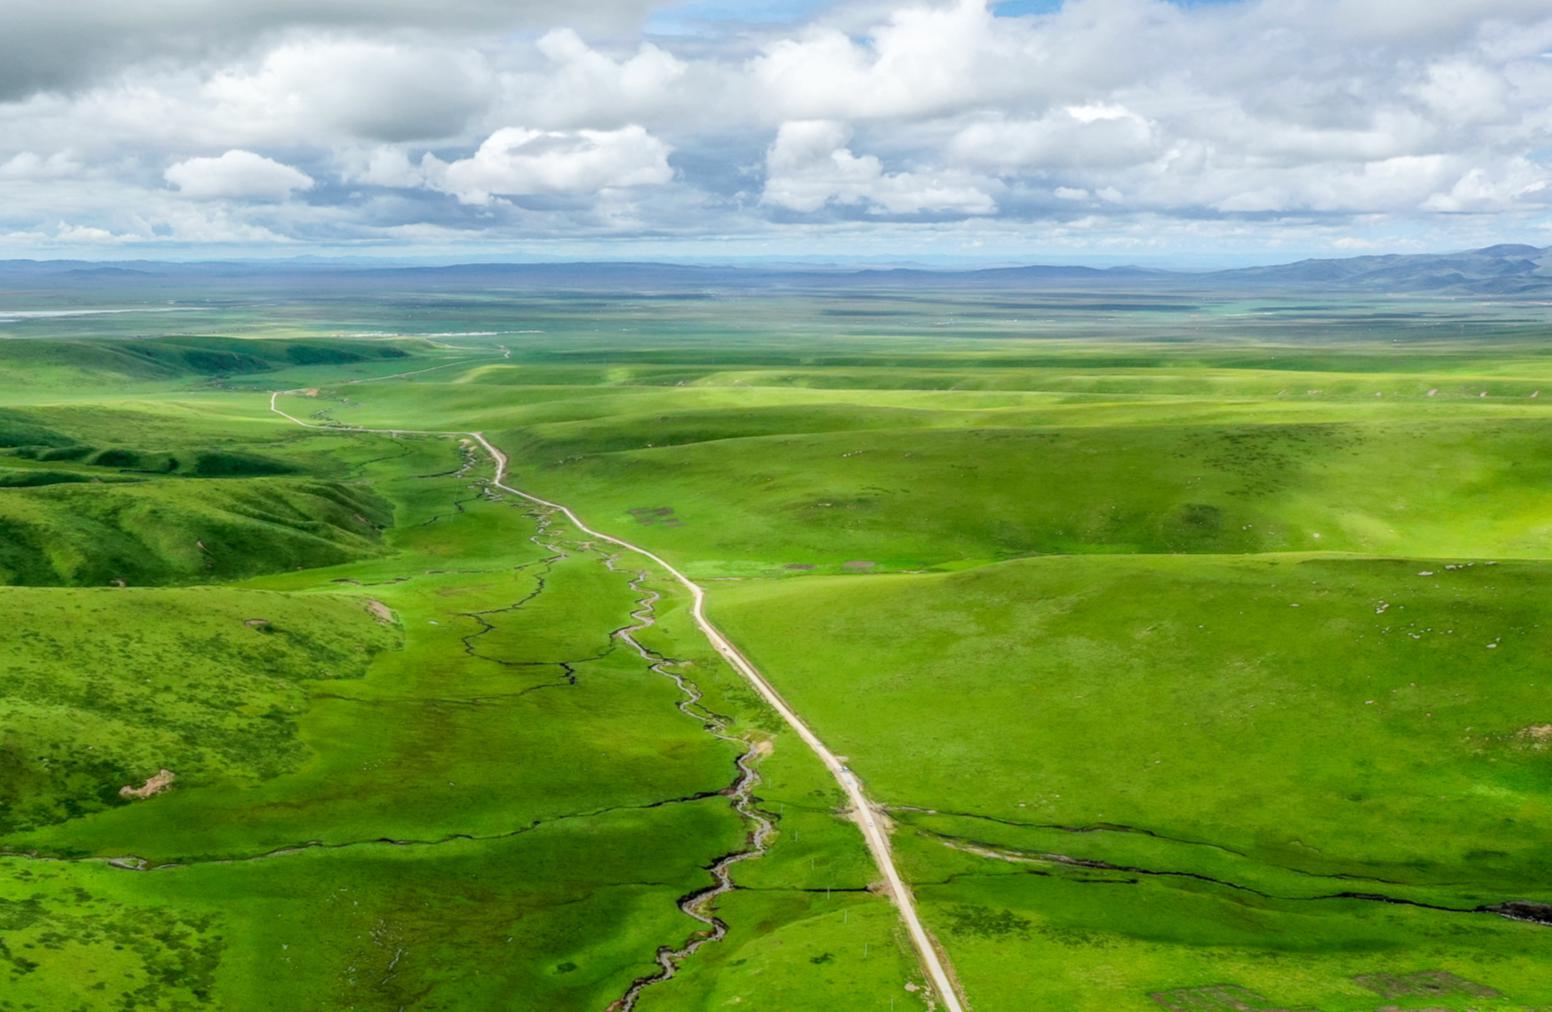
(1503, 270)
(1506, 269)
(49, 363)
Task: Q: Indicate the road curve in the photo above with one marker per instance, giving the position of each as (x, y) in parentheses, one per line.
(865, 812)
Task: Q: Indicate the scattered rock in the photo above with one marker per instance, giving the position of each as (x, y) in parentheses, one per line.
(1536, 736)
(1523, 910)
(155, 785)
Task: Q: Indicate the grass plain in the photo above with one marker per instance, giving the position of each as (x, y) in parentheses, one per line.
(1195, 652)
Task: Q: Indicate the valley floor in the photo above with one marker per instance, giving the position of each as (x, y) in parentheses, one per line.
(1187, 674)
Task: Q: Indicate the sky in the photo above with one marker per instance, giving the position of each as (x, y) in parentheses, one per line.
(1106, 131)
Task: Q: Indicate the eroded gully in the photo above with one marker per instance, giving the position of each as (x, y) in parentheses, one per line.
(863, 810)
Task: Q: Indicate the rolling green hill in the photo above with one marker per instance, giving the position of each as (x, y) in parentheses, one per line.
(181, 531)
(1193, 653)
(52, 364)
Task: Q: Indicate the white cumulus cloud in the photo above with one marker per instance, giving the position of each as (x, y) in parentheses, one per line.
(516, 162)
(578, 85)
(237, 175)
(321, 89)
(810, 165)
(1086, 137)
(1256, 118)
(925, 58)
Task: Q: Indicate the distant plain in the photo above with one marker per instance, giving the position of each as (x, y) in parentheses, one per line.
(1192, 642)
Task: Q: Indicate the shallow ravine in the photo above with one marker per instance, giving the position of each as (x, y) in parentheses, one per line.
(701, 904)
(557, 548)
(863, 811)
(1527, 911)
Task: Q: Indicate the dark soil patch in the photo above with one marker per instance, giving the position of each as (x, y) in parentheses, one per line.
(1421, 982)
(648, 516)
(1217, 998)
(1523, 910)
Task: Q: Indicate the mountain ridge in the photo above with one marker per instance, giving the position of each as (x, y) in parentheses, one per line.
(1504, 269)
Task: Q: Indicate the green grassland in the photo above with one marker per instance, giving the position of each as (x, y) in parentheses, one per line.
(1248, 635)
(1195, 653)
(1236, 742)
(414, 767)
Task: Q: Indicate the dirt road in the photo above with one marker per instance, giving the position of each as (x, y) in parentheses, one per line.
(864, 811)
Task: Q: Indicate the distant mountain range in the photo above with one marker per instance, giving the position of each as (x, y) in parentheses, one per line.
(1506, 270)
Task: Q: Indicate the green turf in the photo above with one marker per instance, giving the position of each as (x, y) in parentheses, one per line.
(1163, 628)
(383, 766)
(1194, 652)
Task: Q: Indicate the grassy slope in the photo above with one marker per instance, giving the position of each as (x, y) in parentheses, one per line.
(131, 674)
(501, 809)
(53, 365)
(1026, 930)
(1255, 722)
(143, 489)
(1143, 675)
(1200, 698)
(920, 479)
(180, 531)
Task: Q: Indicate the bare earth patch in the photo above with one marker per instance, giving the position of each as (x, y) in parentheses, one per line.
(859, 565)
(1536, 736)
(155, 785)
(380, 611)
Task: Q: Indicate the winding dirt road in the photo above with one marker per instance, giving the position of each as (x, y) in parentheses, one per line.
(864, 811)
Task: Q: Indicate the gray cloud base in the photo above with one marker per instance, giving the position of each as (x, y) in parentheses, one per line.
(1109, 123)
